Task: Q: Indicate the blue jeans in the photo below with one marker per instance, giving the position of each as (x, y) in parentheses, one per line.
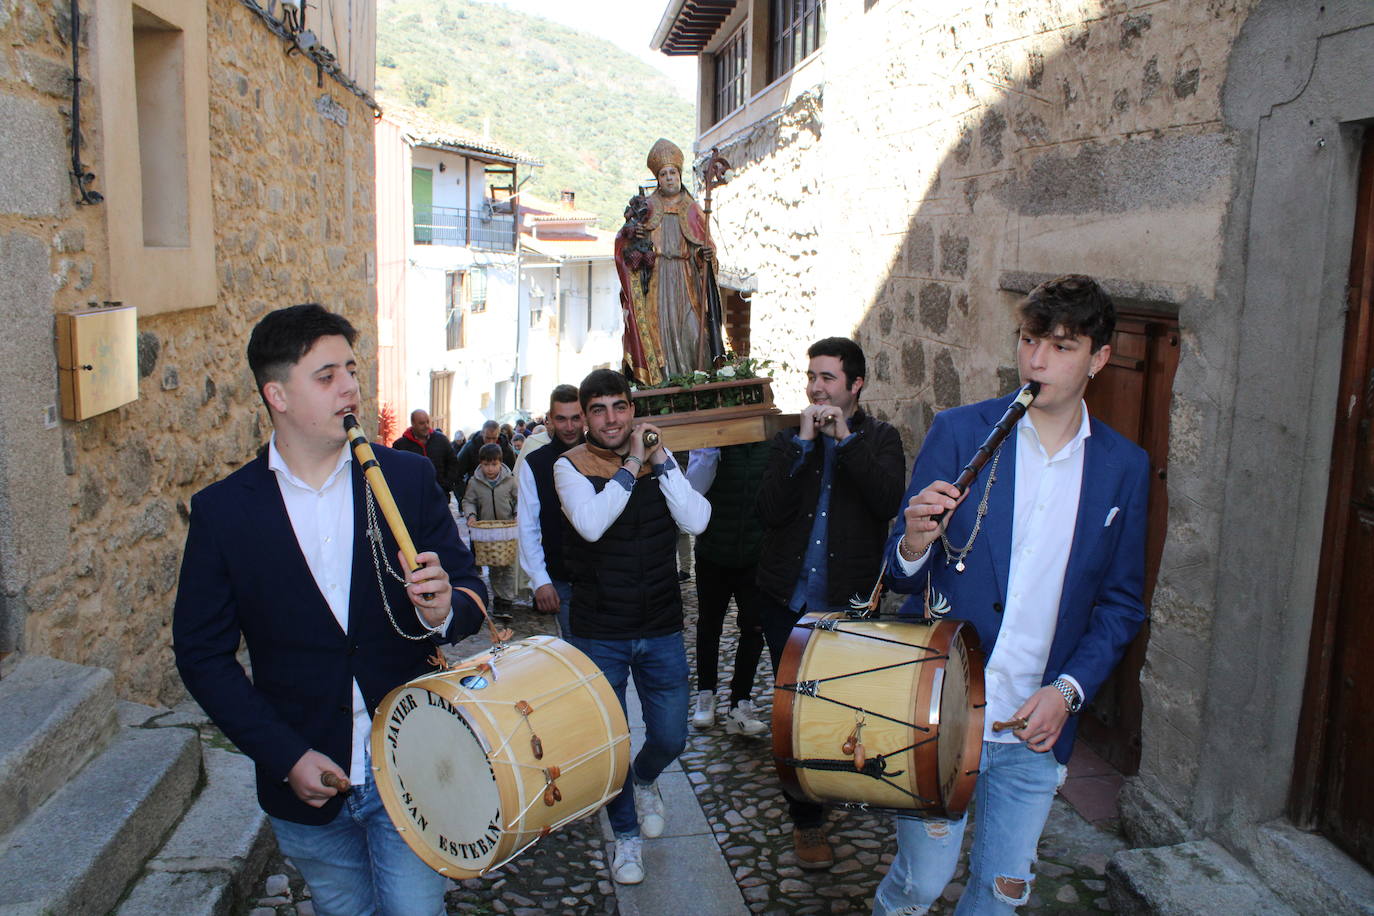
(564, 590)
(659, 666)
(1015, 790)
(358, 865)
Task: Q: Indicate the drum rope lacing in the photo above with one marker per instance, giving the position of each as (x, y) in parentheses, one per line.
(875, 767)
(506, 739)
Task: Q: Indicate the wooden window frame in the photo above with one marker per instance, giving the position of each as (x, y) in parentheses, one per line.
(730, 65)
(796, 30)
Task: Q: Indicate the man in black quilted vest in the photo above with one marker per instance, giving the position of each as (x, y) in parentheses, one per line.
(624, 504)
(832, 487)
(541, 517)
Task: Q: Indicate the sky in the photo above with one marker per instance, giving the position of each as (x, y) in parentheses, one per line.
(628, 23)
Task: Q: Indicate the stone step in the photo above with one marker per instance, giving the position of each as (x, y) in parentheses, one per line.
(214, 857)
(78, 853)
(1309, 872)
(54, 717)
(1197, 878)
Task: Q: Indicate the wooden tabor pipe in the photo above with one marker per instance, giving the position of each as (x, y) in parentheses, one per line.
(362, 450)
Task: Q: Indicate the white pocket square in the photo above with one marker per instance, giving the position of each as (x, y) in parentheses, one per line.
(1111, 515)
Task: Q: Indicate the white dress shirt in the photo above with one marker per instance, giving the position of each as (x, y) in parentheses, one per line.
(591, 513)
(527, 523)
(1043, 521)
(701, 468)
(323, 523)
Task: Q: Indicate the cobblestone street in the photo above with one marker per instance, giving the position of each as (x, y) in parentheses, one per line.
(735, 784)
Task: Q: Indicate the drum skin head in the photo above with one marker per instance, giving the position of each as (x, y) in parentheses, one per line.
(433, 754)
(477, 762)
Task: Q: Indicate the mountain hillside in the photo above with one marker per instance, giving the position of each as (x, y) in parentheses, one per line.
(588, 110)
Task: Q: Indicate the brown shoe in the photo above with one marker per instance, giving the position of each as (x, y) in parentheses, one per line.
(813, 848)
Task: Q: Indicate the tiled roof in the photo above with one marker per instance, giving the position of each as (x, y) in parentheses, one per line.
(536, 209)
(421, 129)
(594, 243)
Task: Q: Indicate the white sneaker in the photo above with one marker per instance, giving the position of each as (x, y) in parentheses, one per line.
(704, 716)
(743, 721)
(649, 806)
(628, 865)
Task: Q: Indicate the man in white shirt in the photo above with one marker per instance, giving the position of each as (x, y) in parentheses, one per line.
(624, 503)
(539, 512)
(276, 555)
(1048, 565)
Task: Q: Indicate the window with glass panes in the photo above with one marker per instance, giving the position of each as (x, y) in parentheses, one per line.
(730, 62)
(796, 28)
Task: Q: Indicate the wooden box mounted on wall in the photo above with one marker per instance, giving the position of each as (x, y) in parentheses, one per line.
(97, 355)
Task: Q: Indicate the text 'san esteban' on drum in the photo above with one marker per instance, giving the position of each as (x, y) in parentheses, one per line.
(476, 763)
(880, 713)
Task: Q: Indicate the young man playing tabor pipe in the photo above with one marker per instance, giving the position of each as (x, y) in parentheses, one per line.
(1051, 578)
(831, 488)
(276, 555)
(624, 502)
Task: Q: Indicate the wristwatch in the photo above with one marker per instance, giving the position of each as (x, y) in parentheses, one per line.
(1072, 701)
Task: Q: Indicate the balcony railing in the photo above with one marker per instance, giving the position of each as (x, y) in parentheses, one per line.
(467, 228)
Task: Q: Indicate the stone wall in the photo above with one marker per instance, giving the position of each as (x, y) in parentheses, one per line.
(104, 502)
(765, 223)
(967, 153)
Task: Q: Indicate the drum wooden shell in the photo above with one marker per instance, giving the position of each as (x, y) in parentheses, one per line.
(918, 689)
(456, 760)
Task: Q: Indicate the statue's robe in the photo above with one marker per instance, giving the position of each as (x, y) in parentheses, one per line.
(666, 318)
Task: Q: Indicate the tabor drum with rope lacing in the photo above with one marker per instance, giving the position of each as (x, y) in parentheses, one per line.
(880, 713)
(477, 762)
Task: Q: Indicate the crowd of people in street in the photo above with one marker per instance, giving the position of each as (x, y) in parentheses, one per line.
(1047, 566)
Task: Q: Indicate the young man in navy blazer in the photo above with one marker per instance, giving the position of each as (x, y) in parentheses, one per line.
(1051, 577)
(277, 554)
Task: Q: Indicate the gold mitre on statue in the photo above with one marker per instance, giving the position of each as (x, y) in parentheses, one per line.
(665, 152)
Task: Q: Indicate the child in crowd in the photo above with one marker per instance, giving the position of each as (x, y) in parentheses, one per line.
(491, 495)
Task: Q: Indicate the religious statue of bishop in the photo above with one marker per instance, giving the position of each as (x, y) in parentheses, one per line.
(665, 258)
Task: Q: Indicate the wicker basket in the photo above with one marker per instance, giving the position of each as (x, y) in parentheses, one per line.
(493, 542)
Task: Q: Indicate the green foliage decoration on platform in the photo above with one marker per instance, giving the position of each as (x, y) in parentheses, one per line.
(693, 397)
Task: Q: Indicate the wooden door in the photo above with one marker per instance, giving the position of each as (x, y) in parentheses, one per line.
(1131, 395)
(440, 400)
(1332, 789)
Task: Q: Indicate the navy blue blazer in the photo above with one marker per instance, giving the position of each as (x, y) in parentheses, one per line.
(1101, 608)
(243, 574)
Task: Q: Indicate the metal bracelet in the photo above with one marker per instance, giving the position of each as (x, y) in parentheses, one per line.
(1071, 702)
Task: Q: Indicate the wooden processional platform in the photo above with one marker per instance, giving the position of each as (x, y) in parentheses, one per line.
(713, 414)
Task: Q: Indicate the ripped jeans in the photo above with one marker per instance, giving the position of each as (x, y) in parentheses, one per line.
(1015, 790)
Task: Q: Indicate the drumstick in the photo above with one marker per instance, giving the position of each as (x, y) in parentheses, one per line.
(1013, 725)
(336, 782)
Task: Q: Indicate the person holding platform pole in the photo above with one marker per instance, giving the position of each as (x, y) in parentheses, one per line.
(280, 555)
(1044, 553)
(624, 500)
